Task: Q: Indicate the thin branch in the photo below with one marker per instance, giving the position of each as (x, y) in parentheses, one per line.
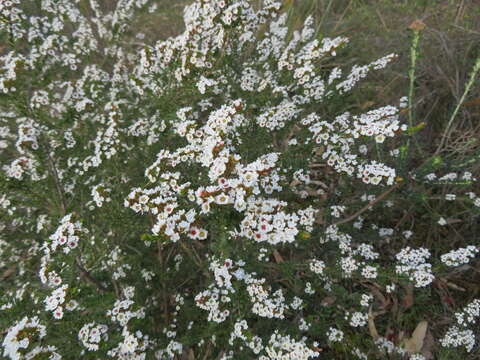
(88, 277)
(58, 186)
(193, 255)
(159, 252)
(117, 289)
(369, 205)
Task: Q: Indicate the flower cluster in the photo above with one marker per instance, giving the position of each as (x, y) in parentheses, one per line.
(335, 335)
(284, 347)
(67, 235)
(55, 300)
(19, 337)
(23, 166)
(265, 304)
(217, 293)
(414, 265)
(91, 334)
(122, 311)
(265, 221)
(317, 266)
(460, 256)
(469, 313)
(100, 194)
(457, 337)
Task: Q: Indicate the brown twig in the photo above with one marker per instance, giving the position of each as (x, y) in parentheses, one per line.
(88, 277)
(369, 205)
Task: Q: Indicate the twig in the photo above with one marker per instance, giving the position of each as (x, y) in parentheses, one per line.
(134, 249)
(117, 289)
(317, 165)
(368, 206)
(159, 252)
(57, 183)
(207, 351)
(88, 277)
(381, 19)
(191, 254)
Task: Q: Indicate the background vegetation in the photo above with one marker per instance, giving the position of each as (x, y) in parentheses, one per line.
(449, 45)
(445, 137)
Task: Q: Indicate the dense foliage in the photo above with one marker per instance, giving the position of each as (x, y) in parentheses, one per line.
(212, 196)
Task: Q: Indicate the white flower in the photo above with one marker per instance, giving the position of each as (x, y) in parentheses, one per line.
(222, 199)
(58, 313)
(442, 221)
(450, 197)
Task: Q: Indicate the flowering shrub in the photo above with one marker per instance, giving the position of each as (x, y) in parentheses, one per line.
(191, 197)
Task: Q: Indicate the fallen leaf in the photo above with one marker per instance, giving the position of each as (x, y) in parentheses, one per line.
(328, 301)
(453, 221)
(375, 290)
(371, 324)
(295, 182)
(415, 343)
